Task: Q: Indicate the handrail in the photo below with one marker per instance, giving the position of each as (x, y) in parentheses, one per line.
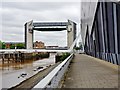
(32, 50)
(45, 81)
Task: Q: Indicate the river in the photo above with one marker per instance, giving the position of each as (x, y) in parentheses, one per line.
(13, 75)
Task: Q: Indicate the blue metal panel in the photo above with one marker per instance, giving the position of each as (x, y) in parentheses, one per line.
(106, 27)
(118, 26)
(110, 24)
(50, 24)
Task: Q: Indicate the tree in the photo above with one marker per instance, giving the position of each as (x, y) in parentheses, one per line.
(3, 45)
(0, 44)
(77, 48)
(12, 46)
(20, 46)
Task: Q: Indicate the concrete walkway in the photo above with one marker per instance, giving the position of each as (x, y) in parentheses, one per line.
(89, 72)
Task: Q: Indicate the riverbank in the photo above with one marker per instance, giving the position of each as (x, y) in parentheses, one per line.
(32, 81)
(12, 77)
(20, 58)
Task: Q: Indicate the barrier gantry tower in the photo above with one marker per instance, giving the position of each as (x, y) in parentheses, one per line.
(30, 26)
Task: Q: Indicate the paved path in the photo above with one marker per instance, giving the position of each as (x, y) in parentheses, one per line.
(88, 72)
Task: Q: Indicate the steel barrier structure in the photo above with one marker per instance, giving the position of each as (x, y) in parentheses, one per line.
(101, 30)
(53, 79)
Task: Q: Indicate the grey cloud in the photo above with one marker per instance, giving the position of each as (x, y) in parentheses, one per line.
(11, 37)
(15, 14)
(52, 38)
(36, 6)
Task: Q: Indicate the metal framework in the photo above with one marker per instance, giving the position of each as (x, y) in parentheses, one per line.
(70, 26)
(104, 39)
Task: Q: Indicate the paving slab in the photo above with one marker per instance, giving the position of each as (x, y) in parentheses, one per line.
(89, 72)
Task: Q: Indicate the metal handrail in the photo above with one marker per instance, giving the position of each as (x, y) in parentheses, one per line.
(45, 81)
(32, 50)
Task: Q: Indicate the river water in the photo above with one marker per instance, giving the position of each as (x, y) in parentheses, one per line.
(13, 75)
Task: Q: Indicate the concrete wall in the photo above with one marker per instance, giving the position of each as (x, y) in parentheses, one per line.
(29, 35)
(71, 33)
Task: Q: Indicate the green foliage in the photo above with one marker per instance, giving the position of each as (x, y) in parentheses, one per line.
(20, 46)
(79, 48)
(3, 45)
(41, 55)
(64, 56)
(0, 45)
(44, 55)
(12, 46)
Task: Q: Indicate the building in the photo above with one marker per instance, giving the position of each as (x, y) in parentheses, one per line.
(7, 45)
(100, 28)
(39, 45)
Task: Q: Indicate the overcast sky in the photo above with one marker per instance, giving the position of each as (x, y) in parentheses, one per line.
(15, 14)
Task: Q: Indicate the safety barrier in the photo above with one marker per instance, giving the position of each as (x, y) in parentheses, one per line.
(52, 80)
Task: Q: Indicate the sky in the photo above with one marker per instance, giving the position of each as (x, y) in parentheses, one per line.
(15, 14)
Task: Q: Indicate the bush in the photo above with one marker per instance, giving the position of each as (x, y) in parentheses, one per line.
(61, 57)
(45, 55)
(64, 56)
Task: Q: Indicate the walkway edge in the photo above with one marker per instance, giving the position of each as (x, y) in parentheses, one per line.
(108, 64)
